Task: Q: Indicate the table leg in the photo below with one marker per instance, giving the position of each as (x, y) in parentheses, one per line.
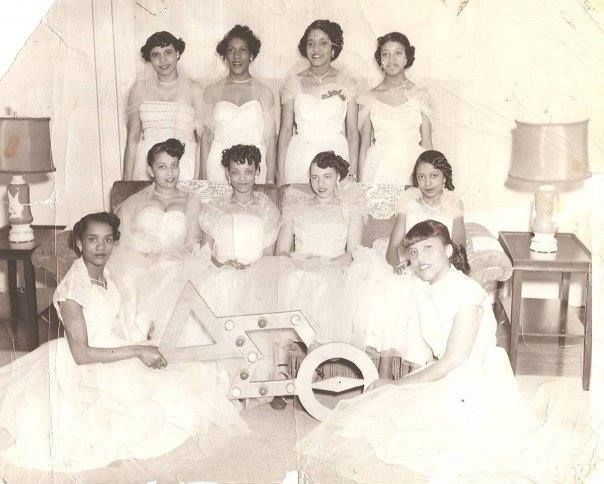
(563, 296)
(587, 339)
(515, 317)
(31, 305)
(13, 294)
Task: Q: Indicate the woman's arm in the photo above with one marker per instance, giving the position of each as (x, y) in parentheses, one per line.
(206, 143)
(192, 213)
(459, 231)
(83, 354)
(459, 346)
(395, 241)
(285, 238)
(286, 130)
(353, 239)
(134, 128)
(366, 131)
(352, 135)
(425, 130)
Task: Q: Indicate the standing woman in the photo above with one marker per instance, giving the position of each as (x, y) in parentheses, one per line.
(319, 111)
(393, 117)
(161, 107)
(238, 109)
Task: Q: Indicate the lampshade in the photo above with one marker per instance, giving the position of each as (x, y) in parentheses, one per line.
(549, 153)
(25, 145)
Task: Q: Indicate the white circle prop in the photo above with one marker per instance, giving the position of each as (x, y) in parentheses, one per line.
(342, 351)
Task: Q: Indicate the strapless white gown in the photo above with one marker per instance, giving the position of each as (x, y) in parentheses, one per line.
(233, 125)
(319, 127)
(58, 416)
(148, 268)
(160, 121)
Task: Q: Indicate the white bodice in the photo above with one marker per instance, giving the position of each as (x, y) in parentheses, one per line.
(235, 124)
(320, 117)
(100, 306)
(438, 305)
(396, 124)
(164, 119)
(238, 236)
(320, 230)
(155, 230)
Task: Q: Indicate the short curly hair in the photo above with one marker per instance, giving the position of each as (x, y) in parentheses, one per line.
(80, 227)
(401, 39)
(438, 161)
(161, 39)
(331, 29)
(328, 159)
(244, 33)
(171, 146)
(242, 155)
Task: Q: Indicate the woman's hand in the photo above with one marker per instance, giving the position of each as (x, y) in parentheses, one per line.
(151, 357)
(402, 267)
(230, 262)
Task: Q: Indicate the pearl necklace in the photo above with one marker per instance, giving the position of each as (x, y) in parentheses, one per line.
(239, 82)
(171, 83)
(319, 78)
(166, 197)
(243, 204)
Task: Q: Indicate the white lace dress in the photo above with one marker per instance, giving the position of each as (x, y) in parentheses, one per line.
(56, 415)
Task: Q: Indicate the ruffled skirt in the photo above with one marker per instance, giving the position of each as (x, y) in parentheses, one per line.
(59, 416)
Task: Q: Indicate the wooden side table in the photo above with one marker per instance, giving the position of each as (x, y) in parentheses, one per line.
(548, 317)
(12, 253)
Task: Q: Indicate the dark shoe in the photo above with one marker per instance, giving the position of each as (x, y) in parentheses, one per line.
(278, 403)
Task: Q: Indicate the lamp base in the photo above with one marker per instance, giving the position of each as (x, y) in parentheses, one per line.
(21, 233)
(545, 243)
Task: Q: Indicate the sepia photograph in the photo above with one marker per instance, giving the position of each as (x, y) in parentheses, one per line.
(302, 241)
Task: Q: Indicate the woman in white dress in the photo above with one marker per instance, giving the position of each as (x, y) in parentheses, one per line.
(318, 107)
(148, 261)
(431, 198)
(238, 109)
(393, 117)
(319, 234)
(164, 106)
(95, 396)
(231, 235)
(460, 415)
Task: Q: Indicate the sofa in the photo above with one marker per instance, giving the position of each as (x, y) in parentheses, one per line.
(488, 262)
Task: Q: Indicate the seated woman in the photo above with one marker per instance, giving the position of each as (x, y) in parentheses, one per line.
(235, 232)
(96, 396)
(461, 414)
(319, 233)
(431, 198)
(148, 260)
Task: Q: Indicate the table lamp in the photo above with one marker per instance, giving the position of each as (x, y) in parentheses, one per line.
(24, 148)
(551, 155)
